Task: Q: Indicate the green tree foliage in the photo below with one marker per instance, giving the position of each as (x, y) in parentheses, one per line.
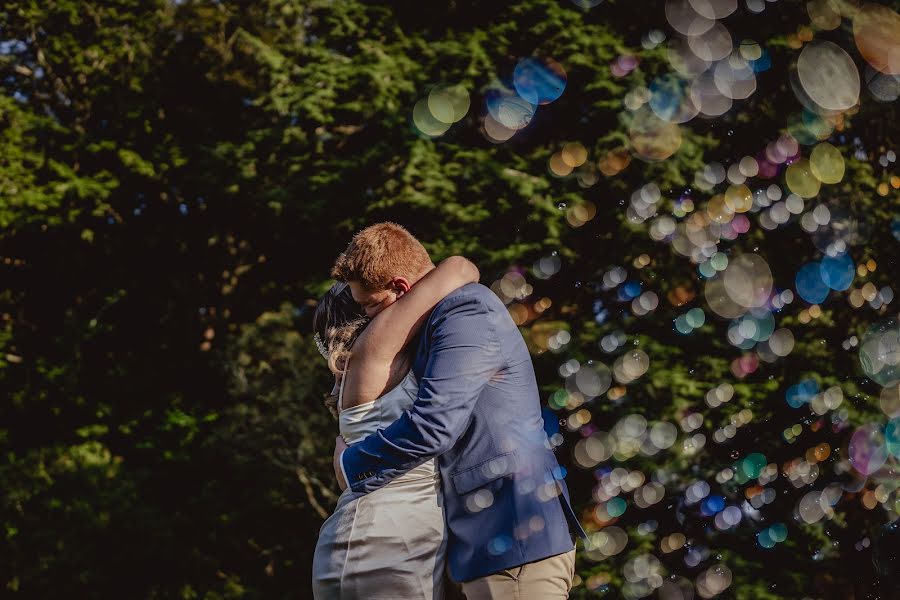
(175, 180)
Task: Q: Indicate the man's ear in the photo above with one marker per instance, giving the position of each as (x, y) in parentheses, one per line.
(400, 285)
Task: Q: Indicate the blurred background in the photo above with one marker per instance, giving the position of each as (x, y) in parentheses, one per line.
(690, 207)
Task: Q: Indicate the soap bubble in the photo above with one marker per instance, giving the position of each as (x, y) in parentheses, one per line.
(879, 352)
(867, 449)
(539, 81)
(876, 30)
(828, 76)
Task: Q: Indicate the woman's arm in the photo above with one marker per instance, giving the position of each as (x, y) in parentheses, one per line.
(380, 345)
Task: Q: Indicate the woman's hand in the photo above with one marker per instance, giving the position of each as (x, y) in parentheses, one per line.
(462, 267)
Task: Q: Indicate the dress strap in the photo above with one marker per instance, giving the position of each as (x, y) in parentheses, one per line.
(340, 402)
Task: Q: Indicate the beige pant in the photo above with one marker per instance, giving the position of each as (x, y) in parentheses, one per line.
(547, 579)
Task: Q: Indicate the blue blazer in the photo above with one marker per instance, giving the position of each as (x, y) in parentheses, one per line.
(478, 411)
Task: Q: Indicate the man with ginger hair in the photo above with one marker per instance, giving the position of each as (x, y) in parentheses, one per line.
(509, 518)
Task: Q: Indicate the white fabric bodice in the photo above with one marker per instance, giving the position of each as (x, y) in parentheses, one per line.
(359, 421)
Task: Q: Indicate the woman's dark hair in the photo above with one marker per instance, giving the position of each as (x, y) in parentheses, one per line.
(337, 322)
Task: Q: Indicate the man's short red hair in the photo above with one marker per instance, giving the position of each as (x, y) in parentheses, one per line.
(379, 253)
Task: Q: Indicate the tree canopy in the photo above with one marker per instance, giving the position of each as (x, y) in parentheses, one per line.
(689, 207)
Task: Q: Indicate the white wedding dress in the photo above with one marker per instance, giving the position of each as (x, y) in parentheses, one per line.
(389, 544)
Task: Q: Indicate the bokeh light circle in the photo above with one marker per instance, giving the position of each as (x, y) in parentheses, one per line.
(652, 138)
(889, 400)
(712, 44)
(714, 9)
(879, 352)
(684, 19)
(828, 76)
(508, 109)
(735, 78)
(837, 272)
(876, 30)
(867, 449)
(425, 122)
(448, 103)
(810, 285)
(826, 163)
(670, 99)
(748, 280)
(892, 437)
(539, 81)
(800, 179)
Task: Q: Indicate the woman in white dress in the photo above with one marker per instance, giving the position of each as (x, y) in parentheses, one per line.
(391, 543)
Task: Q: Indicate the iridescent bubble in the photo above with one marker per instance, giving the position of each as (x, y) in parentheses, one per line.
(839, 234)
(810, 285)
(732, 515)
(683, 59)
(425, 121)
(706, 95)
(812, 508)
(800, 179)
(739, 198)
(720, 212)
(753, 465)
(719, 301)
(816, 125)
(587, 4)
(607, 542)
(616, 507)
(837, 272)
(539, 81)
(801, 393)
(448, 103)
(826, 163)
(676, 589)
(823, 15)
(828, 75)
(764, 539)
(663, 435)
(714, 9)
(748, 280)
(631, 366)
(735, 78)
(883, 87)
(712, 505)
(763, 63)
(750, 50)
(696, 492)
(508, 109)
(867, 449)
(590, 380)
(494, 131)
(876, 30)
(597, 448)
(713, 581)
(890, 401)
(684, 19)
(670, 99)
(710, 44)
(879, 352)
(778, 532)
(782, 342)
(681, 325)
(892, 436)
(652, 138)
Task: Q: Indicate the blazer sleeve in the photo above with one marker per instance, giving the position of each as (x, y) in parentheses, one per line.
(463, 356)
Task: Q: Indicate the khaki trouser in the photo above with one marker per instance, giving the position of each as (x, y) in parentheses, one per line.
(547, 579)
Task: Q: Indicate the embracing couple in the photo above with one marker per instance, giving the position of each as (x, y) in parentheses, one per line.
(443, 460)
